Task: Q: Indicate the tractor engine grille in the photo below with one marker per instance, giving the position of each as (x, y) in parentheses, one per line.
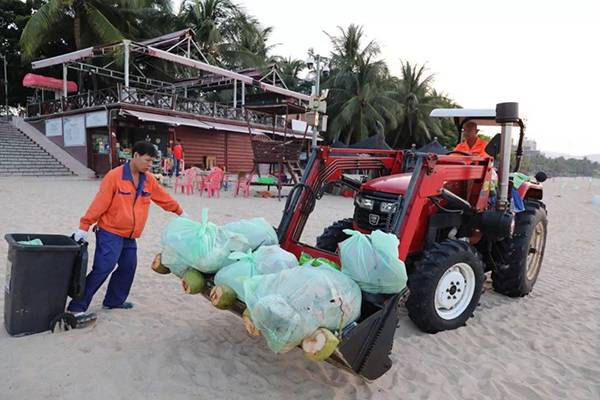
(373, 218)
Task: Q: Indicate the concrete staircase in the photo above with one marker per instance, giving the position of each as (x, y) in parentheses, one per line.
(20, 156)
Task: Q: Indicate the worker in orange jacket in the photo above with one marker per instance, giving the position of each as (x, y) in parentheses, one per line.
(120, 210)
(471, 143)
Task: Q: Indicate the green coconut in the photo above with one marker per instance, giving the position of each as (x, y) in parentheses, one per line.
(249, 325)
(320, 345)
(158, 267)
(222, 297)
(192, 281)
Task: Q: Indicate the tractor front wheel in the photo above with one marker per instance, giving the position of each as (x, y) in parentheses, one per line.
(524, 252)
(445, 286)
(334, 234)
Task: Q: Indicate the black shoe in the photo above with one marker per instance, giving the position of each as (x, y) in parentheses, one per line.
(125, 306)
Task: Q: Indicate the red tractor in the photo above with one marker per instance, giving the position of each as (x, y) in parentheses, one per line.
(454, 224)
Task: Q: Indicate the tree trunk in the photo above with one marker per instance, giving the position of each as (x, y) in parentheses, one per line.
(77, 31)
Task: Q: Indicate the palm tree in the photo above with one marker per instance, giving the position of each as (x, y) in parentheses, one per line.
(359, 100)
(347, 47)
(417, 98)
(210, 20)
(105, 22)
(246, 44)
(289, 69)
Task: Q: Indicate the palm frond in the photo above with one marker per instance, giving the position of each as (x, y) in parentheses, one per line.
(101, 26)
(35, 33)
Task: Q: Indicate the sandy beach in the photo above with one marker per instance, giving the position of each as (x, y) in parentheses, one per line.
(177, 346)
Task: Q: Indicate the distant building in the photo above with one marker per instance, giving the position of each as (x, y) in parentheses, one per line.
(530, 148)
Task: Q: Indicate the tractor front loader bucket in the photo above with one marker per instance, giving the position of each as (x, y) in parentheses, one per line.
(366, 346)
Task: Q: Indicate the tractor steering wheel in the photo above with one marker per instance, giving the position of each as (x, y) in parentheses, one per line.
(464, 153)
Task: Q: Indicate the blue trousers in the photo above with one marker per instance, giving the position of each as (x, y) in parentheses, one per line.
(176, 167)
(111, 250)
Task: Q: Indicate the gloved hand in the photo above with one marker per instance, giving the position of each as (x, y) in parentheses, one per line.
(184, 215)
(79, 234)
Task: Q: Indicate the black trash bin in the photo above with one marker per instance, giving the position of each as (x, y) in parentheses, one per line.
(39, 278)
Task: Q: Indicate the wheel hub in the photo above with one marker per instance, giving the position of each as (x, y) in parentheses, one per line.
(454, 291)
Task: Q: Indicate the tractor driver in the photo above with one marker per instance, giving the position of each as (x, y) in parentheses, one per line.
(471, 143)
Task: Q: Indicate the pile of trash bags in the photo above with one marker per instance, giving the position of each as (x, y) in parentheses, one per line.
(287, 298)
(290, 305)
(206, 246)
(265, 260)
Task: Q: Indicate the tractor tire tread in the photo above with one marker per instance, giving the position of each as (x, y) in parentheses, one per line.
(509, 279)
(333, 235)
(423, 280)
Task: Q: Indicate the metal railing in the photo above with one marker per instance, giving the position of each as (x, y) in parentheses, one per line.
(150, 98)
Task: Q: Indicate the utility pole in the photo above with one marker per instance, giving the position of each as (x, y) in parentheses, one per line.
(316, 61)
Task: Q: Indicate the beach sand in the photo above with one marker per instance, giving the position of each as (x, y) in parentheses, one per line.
(177, 346)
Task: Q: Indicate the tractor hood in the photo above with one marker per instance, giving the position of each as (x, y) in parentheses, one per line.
(393, 184)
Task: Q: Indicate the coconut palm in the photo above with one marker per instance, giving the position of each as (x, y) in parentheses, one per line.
(359, 102)
(348, 49)
(416, 98)
(211, 20)
(289, 70)
(91, 22)
(246, 43)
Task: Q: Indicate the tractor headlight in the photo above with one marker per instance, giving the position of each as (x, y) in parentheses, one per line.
(388, 208)
(364, 203)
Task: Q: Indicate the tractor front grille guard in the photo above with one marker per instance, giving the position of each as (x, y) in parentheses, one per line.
(315, 190)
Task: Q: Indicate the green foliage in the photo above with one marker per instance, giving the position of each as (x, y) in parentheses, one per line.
(365, 99)
(559, 166)
(14, 14)
(81, 23)
(360, 103)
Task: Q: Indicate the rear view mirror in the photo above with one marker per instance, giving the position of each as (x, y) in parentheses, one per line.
(493, 147)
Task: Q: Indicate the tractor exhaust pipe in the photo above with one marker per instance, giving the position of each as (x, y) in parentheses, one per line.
(507, 114)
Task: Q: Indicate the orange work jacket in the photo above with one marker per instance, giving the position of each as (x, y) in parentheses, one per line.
(478, 148)
(121, 208)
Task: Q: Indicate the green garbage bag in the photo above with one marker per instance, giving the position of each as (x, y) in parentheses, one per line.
(290, 305)
(372, 261)
(265, 260)
(316, 262)
(33, 242)
(519, 178)
(257, 231)
(200, 245)
(175, 264)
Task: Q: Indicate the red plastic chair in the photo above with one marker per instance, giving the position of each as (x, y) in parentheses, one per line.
(186, 181)
(212, 182)
(243, 184)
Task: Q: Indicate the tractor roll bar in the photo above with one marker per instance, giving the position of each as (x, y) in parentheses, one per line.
(506, 114)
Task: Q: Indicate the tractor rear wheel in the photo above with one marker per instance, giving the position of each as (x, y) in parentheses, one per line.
(524, 252)
(445, 286)
(334, 234)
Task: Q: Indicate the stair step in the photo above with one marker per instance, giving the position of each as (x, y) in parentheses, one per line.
(21, 156)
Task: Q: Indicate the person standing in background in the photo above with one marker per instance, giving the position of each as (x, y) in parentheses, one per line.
(177, 156)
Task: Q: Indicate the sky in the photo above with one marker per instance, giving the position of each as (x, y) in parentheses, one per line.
(543, 55)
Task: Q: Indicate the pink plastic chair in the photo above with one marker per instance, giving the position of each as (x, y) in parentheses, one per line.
(243, 184)
(186, 181)
(212, 182)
